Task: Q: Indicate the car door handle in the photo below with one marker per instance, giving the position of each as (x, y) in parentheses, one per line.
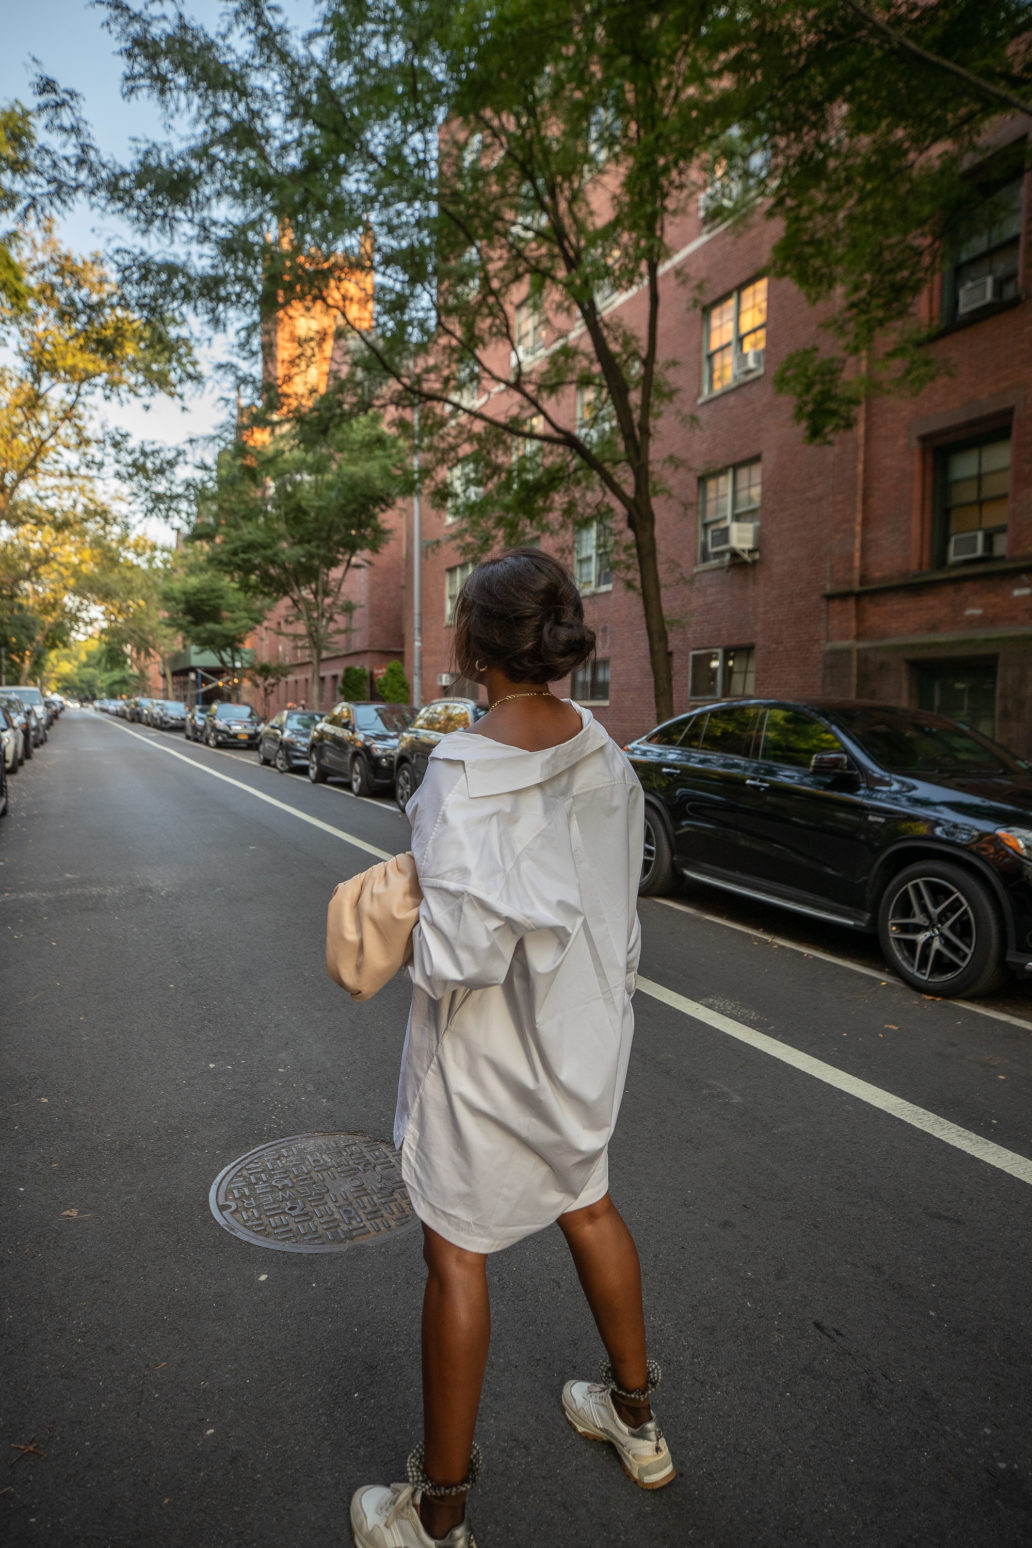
(671, 768)
(758, 784)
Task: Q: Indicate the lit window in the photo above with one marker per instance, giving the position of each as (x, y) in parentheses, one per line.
(589, 683)
(594, 413)
(731, 495)
(593, 554)
(527, 453)
(973, 491)
(735, 331)
(729, 672)
(453, 583)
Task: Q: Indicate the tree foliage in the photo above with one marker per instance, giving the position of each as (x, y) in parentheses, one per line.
(522, 154)
(207, 609)
(293, 508)
(392, 685)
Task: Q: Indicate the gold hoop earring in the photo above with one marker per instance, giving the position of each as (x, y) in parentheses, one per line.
(480, 666)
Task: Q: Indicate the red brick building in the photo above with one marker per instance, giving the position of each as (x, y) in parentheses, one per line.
(894, 564)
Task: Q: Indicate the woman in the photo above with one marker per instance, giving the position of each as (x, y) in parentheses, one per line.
(527, 836)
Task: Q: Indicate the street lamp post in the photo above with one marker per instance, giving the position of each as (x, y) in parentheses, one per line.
(417, 579)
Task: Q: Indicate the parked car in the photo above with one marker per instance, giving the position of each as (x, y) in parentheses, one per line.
(13, 741)
(137, 708)
(884, 819)
(195, 717)
(357, 739)
(168, 715)
(25, 720)
(4, 798)
(284, 740)
(419, 739)
(235, 725)
(33, 702)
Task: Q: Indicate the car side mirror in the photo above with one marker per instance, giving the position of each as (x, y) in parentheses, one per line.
(829, 763)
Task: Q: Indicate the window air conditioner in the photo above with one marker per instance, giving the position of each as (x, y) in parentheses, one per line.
(737, 537)
(976, 294)
(444, 680)
(748, 361)
(969, 545)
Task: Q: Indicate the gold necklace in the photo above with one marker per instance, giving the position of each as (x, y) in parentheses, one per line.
(540, 693)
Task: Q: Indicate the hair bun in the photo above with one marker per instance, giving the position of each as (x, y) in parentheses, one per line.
(566, 641)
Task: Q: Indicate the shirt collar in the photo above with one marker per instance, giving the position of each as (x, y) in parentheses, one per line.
(492, 768)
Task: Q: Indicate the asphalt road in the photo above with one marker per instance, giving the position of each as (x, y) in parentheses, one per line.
(830, 1179)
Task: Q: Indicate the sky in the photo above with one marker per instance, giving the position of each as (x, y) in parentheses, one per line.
(68, 39)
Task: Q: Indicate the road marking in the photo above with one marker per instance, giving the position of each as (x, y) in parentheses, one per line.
(918, 1117)
(259, 795)
(885, 976)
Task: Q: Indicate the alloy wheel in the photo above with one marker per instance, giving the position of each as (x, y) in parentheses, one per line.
(932, 929)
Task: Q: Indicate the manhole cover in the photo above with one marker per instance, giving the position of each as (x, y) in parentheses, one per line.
(313, 1193)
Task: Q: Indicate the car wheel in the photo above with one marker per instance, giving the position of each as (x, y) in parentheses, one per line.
(282, 761)
(316, 772)
(657, 862)
(404, 785)
(940, 930)
(359, 776)
(262, 759)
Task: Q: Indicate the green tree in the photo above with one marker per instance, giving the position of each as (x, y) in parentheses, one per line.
(203, 604)
(287, 516)
(536, 156)
(393, 685)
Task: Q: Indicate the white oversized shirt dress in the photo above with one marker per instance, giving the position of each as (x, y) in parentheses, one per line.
(523, 968)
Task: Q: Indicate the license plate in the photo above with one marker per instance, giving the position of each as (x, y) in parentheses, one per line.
(243, 736)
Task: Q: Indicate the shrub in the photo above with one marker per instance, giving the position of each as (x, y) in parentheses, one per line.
(393, 685)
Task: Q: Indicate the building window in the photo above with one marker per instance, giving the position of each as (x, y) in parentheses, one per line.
(462, 487)
(529, 330)
(594, 413)
(466, 387)
(527, 452)
(590, 682)
(736, 175)
(732, 495)
(965, 691)
(735, 331)
(593, 554)
(453, 580)
(726, 673)
(972, 489)
(984, 270)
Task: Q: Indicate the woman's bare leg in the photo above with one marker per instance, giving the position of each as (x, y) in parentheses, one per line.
(456, 1335)
(607, 1265)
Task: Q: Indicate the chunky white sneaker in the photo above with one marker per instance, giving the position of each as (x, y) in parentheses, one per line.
(389, 1518)
(643, 1453)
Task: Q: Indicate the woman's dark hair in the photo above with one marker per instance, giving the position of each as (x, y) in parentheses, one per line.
(521, 612)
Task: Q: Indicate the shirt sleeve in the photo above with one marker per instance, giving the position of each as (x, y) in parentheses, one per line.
(461, 938)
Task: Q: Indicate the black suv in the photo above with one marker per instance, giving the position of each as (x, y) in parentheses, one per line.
(416, 744)
(231, 725)
(357, 739)
(885, 819)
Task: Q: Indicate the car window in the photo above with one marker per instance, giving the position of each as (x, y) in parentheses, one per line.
(234, 712)
(915, 744)
(279, 720)
(391, 718)
(301, 721)
(791, 737)
(174, 704)
(455, 717)
(431, 718)
(670, 735)
(731, 732)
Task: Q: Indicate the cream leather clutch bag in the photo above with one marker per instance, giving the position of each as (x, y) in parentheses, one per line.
(369, 925)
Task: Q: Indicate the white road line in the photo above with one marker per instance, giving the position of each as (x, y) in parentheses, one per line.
(940, 1128)
(918, 1117)
(885, 976)
(259, 795)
